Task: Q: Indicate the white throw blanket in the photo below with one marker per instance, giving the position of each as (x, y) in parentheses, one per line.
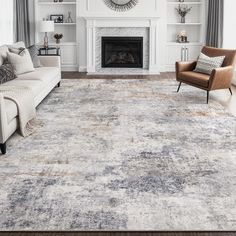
(24, 100)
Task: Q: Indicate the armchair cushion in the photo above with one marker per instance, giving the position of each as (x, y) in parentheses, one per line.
(192, 77)
(207, 64)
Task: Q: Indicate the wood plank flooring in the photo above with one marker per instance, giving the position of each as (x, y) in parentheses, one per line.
(222, 96)
(117, 233)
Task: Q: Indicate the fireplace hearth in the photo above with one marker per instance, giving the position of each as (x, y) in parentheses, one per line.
(122, 52)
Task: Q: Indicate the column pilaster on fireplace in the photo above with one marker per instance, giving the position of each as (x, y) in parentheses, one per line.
(153, 54)
(91, 46)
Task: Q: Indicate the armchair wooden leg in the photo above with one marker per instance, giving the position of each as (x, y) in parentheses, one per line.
(3, 147)
(208, 96)
(230, 90)
(179, 87)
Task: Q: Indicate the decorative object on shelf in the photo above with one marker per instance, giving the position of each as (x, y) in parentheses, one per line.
(55, 0)
(69, 19)
(60, 0)
(182, 37)
(181, 0)
(57, 18)
(58, 37)
(183, 10)
(46, 27)
(121, 5)
(184, 54)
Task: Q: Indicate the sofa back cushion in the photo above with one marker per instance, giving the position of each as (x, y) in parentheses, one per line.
(3, 54)
(34, 56)
(207, 64)
(20, 61)
(4, 50)
(6, 73)
(17, 45)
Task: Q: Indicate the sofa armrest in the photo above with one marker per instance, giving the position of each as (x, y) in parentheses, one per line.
(184, 66)
(3, 120)
(50, 61)
(221, 78)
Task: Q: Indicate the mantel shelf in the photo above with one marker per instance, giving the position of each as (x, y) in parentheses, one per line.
(57, 3)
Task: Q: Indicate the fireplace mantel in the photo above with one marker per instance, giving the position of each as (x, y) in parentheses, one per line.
(117, 22)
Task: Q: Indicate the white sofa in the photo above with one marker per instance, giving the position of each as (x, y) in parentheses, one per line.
(41, 81)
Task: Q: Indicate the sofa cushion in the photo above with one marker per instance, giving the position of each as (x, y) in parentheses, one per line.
(45, 74)
(21, 63)
(6, 73)
(20, 44)
(35, 85)
(194, 78)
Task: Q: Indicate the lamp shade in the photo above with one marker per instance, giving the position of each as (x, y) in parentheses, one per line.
(46, 26)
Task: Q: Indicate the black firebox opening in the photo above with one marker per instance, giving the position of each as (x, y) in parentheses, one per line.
(122, 52)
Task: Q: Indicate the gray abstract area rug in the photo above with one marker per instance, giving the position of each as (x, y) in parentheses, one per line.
(122, 155)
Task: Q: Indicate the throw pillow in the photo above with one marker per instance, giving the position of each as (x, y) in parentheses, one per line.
(3, 54)
(16, 50)
(34, 56)
(21, 63)
(207, 64)
(6, 73)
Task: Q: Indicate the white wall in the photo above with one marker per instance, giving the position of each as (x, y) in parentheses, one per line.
(230, 26)
(6, 21)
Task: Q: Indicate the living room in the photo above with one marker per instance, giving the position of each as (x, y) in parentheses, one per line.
(118, 115)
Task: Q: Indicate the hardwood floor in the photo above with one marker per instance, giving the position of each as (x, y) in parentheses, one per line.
(222, 96)
(117, 233)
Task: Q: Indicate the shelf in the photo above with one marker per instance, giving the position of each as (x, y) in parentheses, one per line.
(61, 44)
(57, 3)
(184, 23)
(184, 3)
(184, 44)
(62, 24)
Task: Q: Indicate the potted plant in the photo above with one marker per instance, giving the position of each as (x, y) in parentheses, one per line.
(58, 37)
(183, 10)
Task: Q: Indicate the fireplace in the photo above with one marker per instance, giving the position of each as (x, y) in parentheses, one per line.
(122, 52)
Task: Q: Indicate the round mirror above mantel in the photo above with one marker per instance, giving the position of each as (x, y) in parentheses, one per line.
(121, 5)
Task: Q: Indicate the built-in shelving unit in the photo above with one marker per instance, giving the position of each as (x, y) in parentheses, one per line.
(194, 27)
(69, 42)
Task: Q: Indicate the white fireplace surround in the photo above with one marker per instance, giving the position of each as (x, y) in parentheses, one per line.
(92, 23)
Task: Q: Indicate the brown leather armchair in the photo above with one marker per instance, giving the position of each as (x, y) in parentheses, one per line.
(220, 78)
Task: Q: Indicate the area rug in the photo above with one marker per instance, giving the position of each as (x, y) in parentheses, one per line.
(122, 155)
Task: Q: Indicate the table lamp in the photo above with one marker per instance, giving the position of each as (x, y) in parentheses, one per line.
(46, 26)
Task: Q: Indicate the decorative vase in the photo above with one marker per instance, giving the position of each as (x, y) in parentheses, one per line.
(183, 19)
(60, 0)
(58, 41)
(69, 19)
